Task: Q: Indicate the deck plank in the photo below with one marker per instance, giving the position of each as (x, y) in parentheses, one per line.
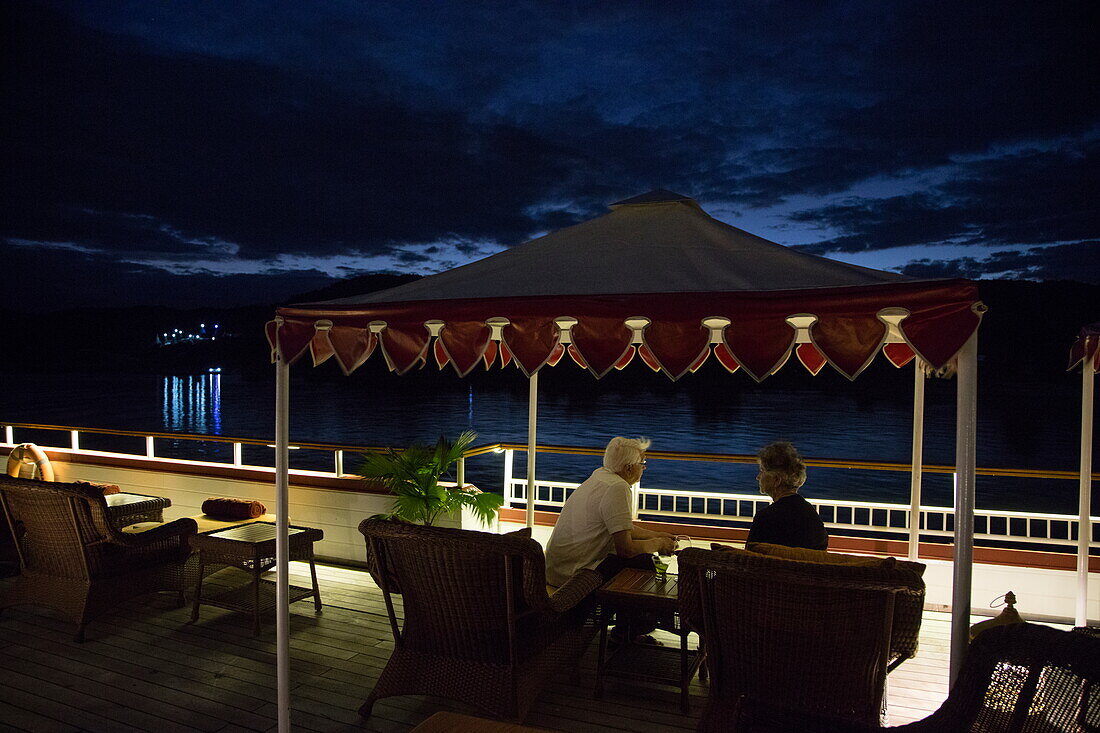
(20, 713)
(146, 668)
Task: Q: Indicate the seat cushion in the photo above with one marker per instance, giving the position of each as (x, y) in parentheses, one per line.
(107, 489)
(832, 558)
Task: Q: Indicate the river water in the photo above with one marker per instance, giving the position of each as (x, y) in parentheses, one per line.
(1018, 426)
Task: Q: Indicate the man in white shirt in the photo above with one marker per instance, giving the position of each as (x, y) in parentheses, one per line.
(595, 529)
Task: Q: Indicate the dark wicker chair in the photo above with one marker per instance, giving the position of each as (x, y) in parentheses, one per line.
(810, 639)
(75, 560)
(479, 625)
(1023, 678)
(1019, 679)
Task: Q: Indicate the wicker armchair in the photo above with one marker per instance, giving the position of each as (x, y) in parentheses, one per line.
(75, 560)
(479, 625)
(811, 639)
(1023, 677)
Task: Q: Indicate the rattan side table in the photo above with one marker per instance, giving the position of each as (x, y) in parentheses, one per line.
(251, 547)
(126, 508)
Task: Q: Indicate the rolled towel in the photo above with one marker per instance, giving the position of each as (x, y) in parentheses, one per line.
(226, 507)
(107, 489)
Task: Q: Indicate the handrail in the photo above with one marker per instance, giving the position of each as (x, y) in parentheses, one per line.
(574, 450)
(816, 462)
(206, 437)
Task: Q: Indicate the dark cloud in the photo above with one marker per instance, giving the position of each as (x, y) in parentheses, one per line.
(1033, 196)
(244, 153)
(192, 130)
(1079, 261)
(1029, 197)
(952, 78)
(412, 258)
(896, 221)
(131, 235)
(35, 278)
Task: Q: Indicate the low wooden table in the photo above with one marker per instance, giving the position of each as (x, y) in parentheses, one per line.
(639, 590)
(251, 547)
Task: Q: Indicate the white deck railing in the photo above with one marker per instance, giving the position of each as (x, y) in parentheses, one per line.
(854, 517)
(1057, 531)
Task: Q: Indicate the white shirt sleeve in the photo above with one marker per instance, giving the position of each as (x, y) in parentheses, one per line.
(615, 511)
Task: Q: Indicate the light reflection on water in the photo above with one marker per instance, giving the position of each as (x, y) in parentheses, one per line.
(192, 404)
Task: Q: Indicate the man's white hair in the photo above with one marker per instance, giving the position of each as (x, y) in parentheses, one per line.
(622, 452)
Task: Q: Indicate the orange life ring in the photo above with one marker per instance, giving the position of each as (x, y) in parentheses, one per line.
(32, 454)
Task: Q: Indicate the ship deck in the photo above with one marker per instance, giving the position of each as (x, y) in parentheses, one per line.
(144, 668)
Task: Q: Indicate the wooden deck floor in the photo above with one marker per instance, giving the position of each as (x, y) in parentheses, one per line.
(144, 668)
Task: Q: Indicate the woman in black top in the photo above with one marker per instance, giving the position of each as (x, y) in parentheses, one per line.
(790, 520)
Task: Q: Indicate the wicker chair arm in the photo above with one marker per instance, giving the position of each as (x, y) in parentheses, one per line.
(575, 590)
(183, 528)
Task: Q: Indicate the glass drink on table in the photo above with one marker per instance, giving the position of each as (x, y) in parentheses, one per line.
(660, 568)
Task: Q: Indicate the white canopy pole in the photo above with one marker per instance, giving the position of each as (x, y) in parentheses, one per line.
(966, 419)
(918, 459)
(532, 416)
(1084, 526)
(282, 472)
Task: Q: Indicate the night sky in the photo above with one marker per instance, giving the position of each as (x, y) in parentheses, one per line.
(187, 153)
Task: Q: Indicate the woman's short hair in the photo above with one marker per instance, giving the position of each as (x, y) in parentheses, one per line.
(782, 465)
(622, 452)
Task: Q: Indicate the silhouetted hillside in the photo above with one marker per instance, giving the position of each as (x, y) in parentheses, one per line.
(1030, 326)
(354, 286)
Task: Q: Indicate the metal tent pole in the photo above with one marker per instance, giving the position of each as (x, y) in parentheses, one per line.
(918, 459)
(966, 411)
(1084, 525)
(532, 417)
(282, 623)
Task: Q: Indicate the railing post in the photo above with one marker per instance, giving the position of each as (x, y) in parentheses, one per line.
(75, 439)
(966, 422)
(460, 471)
(282, 542)
(1084, 521)
(150, 451)
(339, 463)
(508, 489)
(238, 454)
(918, 459)
(532, 419)
(9, 434)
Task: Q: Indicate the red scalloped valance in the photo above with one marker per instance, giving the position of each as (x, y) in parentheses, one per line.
(1087, 346)
(848, 331)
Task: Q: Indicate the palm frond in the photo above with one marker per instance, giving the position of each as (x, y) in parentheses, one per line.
(484, 505)
(412, 507)
(412, 476)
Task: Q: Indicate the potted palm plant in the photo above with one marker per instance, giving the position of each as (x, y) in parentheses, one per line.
(412, 476)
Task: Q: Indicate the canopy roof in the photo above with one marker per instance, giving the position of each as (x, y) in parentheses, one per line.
(655, 277)
(1087, 346)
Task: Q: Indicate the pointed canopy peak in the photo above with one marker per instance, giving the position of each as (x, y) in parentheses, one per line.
(656, 196)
